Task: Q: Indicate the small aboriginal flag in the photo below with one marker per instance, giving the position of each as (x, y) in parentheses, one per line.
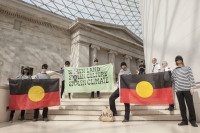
(147, 89)
(32, 94)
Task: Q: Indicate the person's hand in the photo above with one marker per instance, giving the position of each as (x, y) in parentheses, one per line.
(192, 91)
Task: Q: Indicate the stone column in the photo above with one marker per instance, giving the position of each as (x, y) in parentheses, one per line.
(112, 55)
(94, 53)
(128, 61)
(80, 54)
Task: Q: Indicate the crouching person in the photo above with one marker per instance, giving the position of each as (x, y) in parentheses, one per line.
(42, 75)
(115, 95)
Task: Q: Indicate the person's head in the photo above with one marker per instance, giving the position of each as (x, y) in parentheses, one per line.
(67, 63)
(154, 60)
(44, 68)
(142, 62)
(179, 60)
(96, 62)
(123, 65)
(164, 64)
(26, 70)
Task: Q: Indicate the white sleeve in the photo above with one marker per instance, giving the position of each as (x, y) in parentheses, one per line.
(158, 66)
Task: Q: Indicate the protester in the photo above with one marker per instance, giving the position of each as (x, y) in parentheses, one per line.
(156, 66)
(67, 64)
(184, 81)
(167, 69)
(24, 75)
(142, 68)
(115, 95)
(42, 75)
(96, 62)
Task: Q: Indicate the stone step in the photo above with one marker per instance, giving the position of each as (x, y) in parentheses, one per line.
(117, 118)
(101, 107)
(120, 113)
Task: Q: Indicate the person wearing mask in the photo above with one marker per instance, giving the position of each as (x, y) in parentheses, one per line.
(62, 71)
(156, 66)
(42, 75)
(96, 62)
(183, 79)
(115, 95)
(24, 75)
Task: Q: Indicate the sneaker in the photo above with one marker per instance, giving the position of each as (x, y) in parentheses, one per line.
(194, 124)
(183, 123)
(35, 119)
(45, 119)
(125, 120)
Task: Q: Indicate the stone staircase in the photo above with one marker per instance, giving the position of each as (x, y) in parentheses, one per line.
(82, 108)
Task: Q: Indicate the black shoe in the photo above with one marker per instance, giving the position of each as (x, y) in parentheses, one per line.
(183, 123)
(10, 120)
(125, 120)
(35, 119)
(22, 119)
(91, 96)
(45, 119)
(114, 114)
(194, 124)
(170, 109)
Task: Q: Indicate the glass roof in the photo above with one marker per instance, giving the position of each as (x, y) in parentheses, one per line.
(120, 12)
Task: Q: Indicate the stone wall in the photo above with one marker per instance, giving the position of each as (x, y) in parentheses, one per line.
(30, 44)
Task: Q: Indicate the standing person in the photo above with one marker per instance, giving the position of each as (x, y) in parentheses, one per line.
(42, 75)
(24, 75)
(62, 71)
(184, 81)
(115, 95)
(96, 62)
(166, 69)
(142, 68)
(156, 66)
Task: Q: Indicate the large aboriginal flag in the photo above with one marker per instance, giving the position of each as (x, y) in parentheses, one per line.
(32, 94)
(147, 89)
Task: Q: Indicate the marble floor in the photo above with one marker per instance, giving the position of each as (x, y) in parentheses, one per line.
(96, 127)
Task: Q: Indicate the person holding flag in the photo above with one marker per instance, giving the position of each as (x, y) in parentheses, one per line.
(184, 81)
(24, 75)
(96, 62)
(62, 71)
(115, 95)
(42, 75)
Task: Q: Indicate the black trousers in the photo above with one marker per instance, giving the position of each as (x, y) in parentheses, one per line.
(185, 96)
(92, 93)
(44, 113)
(13, 112)
(112, 98)
(63, 88)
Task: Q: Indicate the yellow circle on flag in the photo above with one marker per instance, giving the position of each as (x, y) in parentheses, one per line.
(144, 89)
(36, 93)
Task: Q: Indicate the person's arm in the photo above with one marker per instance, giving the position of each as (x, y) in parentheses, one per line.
(192, 81)
(61, 70)
(19, 76)
(159, 69)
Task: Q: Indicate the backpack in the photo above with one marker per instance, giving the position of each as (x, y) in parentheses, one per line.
(106, 115)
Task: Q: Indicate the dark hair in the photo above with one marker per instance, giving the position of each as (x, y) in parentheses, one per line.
(67, 63)
(142, 61)
(44, 66)
(25, 68)
(96, 60)
(123, 64)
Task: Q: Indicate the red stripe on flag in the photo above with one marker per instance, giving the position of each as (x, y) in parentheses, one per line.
(162, 96)
(22, 102)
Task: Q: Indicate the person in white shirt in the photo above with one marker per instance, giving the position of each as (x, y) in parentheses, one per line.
(166, 69)
(156, 66)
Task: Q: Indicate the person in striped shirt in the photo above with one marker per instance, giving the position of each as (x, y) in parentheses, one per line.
(183, 78)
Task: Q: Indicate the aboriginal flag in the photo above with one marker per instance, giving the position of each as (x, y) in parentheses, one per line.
(32, 94)
(147, 89)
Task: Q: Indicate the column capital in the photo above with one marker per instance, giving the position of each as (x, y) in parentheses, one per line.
(113, 52)
(95, 47)
(128, 57)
